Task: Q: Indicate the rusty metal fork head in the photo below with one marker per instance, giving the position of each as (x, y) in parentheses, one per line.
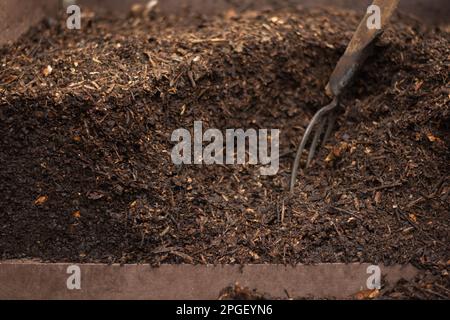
(321, 118)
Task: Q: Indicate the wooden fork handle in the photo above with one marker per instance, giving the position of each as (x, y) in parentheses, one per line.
(359, 48)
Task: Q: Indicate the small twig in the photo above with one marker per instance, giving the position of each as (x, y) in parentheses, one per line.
(431, 196)
(347, 212)
(187, 258)
(213, 40)
(386, 186)
(336, 228)
(417, 227)
(442, 287)
(433, 293)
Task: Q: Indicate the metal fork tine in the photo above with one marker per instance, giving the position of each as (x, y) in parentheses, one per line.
(317, 117)
(300, 150)
(331, 121)
(315, 141)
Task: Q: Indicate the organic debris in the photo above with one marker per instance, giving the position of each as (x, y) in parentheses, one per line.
(93, 132)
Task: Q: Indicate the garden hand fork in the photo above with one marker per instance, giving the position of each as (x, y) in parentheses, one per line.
(357, 52)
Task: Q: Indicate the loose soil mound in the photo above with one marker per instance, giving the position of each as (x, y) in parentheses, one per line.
(85, 145)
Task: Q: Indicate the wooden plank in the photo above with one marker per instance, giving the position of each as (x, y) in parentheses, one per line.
(29, 280)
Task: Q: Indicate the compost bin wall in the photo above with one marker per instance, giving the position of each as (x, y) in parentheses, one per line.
(431, 11)
(17, 16)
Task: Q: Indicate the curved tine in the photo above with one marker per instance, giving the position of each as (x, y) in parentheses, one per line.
(308, 131)
(315, 141)
(331, 120)
(301, 148)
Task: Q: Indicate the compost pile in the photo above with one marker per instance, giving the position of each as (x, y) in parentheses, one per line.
(86, 119)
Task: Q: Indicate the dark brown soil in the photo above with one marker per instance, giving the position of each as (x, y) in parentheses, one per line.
(86, 173)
